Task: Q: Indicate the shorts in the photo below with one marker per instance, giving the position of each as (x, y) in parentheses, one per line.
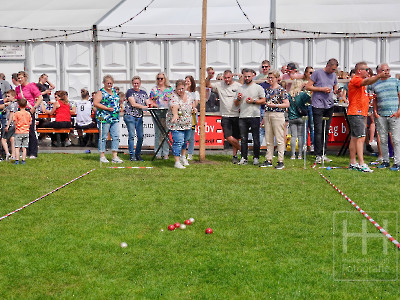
(357, 125)
(21, 140)
(9, 134)
(230, 126)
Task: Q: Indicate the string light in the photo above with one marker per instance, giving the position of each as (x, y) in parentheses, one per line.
(70, 32)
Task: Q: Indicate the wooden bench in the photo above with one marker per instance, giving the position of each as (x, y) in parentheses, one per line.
(65, 130)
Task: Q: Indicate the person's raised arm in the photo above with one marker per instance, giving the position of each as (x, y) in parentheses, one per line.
(373, 79)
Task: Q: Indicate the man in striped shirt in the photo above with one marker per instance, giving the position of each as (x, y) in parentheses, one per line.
(387, 113)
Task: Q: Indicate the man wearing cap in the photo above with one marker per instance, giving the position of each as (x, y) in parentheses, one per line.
(323, 83)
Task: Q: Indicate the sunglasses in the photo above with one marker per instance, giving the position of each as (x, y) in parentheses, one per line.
(366, 69)
(265, 67)
(160, 78)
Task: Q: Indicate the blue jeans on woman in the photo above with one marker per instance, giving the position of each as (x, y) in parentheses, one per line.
(134, 124)
(104, 129)
(179, 140)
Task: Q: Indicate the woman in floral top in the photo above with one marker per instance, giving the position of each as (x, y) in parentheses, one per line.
(179, 122)
(274, 119)
(159, 96)
(106, 100)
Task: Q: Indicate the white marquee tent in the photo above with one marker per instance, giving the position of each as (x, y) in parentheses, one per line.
(77, 42)
(181, 19)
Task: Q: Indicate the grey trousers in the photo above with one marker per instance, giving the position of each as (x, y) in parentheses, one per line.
(384, 126)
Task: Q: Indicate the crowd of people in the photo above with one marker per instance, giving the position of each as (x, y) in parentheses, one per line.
(264, 104)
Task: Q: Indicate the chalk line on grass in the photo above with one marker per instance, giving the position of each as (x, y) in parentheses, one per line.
(129, 167)
(49, 193)
(380, 228)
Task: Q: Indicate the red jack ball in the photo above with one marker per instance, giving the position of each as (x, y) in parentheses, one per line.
(209, 231)
(171, 227)
(187, 222)
(177, 225)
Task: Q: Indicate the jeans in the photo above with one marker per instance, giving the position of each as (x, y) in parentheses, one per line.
(254, 125)
(191, 141)
(310, 124)
(179, 140)
(134, 124)
(297, 131)
(104, 129)
(384, 126)
(318, 113)
(275, 127)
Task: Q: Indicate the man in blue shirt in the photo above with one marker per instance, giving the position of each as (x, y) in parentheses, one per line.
(323, 83)
(387, 114)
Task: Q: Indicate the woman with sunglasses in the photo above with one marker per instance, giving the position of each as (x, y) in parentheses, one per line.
(310, 123)
(159, 96)
(179, 122)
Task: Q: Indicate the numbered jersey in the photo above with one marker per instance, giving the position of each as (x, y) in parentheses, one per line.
(83, 112)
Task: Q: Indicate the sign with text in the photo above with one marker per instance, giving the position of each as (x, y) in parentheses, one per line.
(214, 134)
(338, 130)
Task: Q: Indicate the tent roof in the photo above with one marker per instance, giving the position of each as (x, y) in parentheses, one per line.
(65, 17)
(179, 19)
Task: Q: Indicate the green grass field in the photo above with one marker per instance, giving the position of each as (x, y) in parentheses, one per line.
(278, 234)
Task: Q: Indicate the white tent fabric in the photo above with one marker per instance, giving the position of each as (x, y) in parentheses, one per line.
(337, 16)
(181, 19)
(34, 20)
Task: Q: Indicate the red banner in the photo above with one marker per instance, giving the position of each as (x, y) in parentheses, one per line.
(338, 130)
(214, 134)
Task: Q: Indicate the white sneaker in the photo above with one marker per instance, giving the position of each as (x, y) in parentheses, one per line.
(299, 157)
(104, 159)
(256, 161)
(68, 143)
(117, 160)
(293, 157)
(31, 157)
(190, 157)
(326, 159)
(364, 168)
(318, 159)
(178, 165)
(312, 148)
(184, 161)
(166, 157)
(242, 161)
(8, 156)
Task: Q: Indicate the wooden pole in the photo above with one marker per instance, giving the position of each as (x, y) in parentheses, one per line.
(202, 126)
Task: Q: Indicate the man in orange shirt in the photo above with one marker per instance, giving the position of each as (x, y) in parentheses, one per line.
(357, 113)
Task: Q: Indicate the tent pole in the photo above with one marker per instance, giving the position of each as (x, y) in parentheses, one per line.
(202, 127)
(272, 39)
(96, 73)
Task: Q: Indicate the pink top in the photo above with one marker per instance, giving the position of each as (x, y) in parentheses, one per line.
(30, 92)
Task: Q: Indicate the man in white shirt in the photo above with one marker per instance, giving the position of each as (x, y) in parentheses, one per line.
(249, 98)
(227, 91)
